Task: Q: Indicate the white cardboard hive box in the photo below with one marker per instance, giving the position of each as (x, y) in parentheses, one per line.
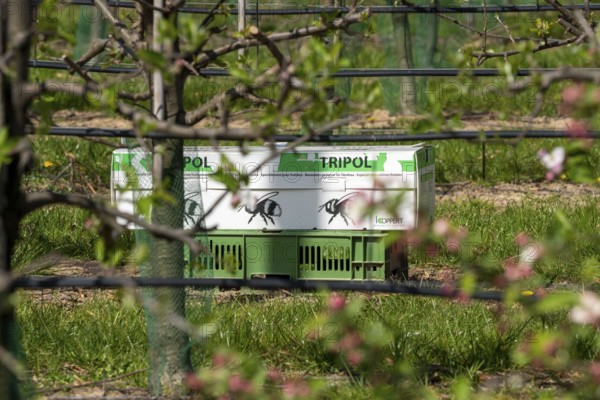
(310, 188)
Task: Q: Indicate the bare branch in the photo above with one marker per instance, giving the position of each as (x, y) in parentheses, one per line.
(109, 215)
(74, 67)
(587, 29)
(135, 96)
(483, 56)
(566, 14)
(130, 37)
(269, 44)
(208, 56)
(569, 28)
(211, 15)
(238, 92)
(560, 74)
(96, 47)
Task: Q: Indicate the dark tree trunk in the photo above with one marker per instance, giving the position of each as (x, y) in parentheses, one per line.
(15, 20)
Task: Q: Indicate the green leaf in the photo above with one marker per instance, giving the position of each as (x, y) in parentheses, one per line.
(155, 59)
(461, 389)
(6, 146)
(555, 302)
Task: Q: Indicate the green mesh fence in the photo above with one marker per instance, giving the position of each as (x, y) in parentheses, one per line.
(172, 313)
(91, 26)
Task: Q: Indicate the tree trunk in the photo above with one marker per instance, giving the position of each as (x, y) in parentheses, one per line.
(168, 344)
(15, 20)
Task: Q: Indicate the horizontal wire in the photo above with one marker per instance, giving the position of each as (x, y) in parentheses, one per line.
(342, 73)
(293, 9)
(365, 138)
(257, 284)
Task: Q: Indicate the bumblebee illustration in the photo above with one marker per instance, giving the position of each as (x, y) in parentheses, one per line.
(192, 211)
(265, 207)
(337, 207)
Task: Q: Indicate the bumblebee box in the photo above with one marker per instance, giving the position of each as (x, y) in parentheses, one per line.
(310, 188)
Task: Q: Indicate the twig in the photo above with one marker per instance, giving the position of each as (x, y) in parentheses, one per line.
(587, 29)
(506, 29)
(208, 56)
(74, 67)
(483, 56)
(211, 15)
(96, 47)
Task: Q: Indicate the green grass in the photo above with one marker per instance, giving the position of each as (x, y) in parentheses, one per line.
(103, 338)
(92, 341)
(471, 340)
(56, 229)
(493, 230)
(459, 161)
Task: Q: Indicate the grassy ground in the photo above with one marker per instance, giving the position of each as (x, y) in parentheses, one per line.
(102, 338)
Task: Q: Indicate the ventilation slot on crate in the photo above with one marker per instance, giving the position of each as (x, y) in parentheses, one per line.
(317, 258)
(207, 260)
(227, 257)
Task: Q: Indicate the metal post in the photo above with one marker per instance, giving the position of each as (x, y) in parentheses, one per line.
(241, 24)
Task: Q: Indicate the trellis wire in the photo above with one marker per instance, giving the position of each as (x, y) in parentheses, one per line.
(257, 284)
(369, 138)
(373, 9)
(342, 73)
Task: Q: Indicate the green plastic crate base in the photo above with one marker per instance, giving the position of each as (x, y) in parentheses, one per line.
(314, 255)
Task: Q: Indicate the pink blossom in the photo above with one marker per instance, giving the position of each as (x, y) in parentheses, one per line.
(521, 239)
(553, 161)
(235, 200)
(448, 288)
(274, 375)
(441, 227)
(432, 250)
(89, 223)
(350, 341)
(336, 302)
(595, 372)
(577, 129)
(192, 381)
(453, 246)
(463, 297)
(572, 94)
(296, 389)
(239, 384)
(220, 360)
(354, 357)
(514, 272)
(587, 312)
